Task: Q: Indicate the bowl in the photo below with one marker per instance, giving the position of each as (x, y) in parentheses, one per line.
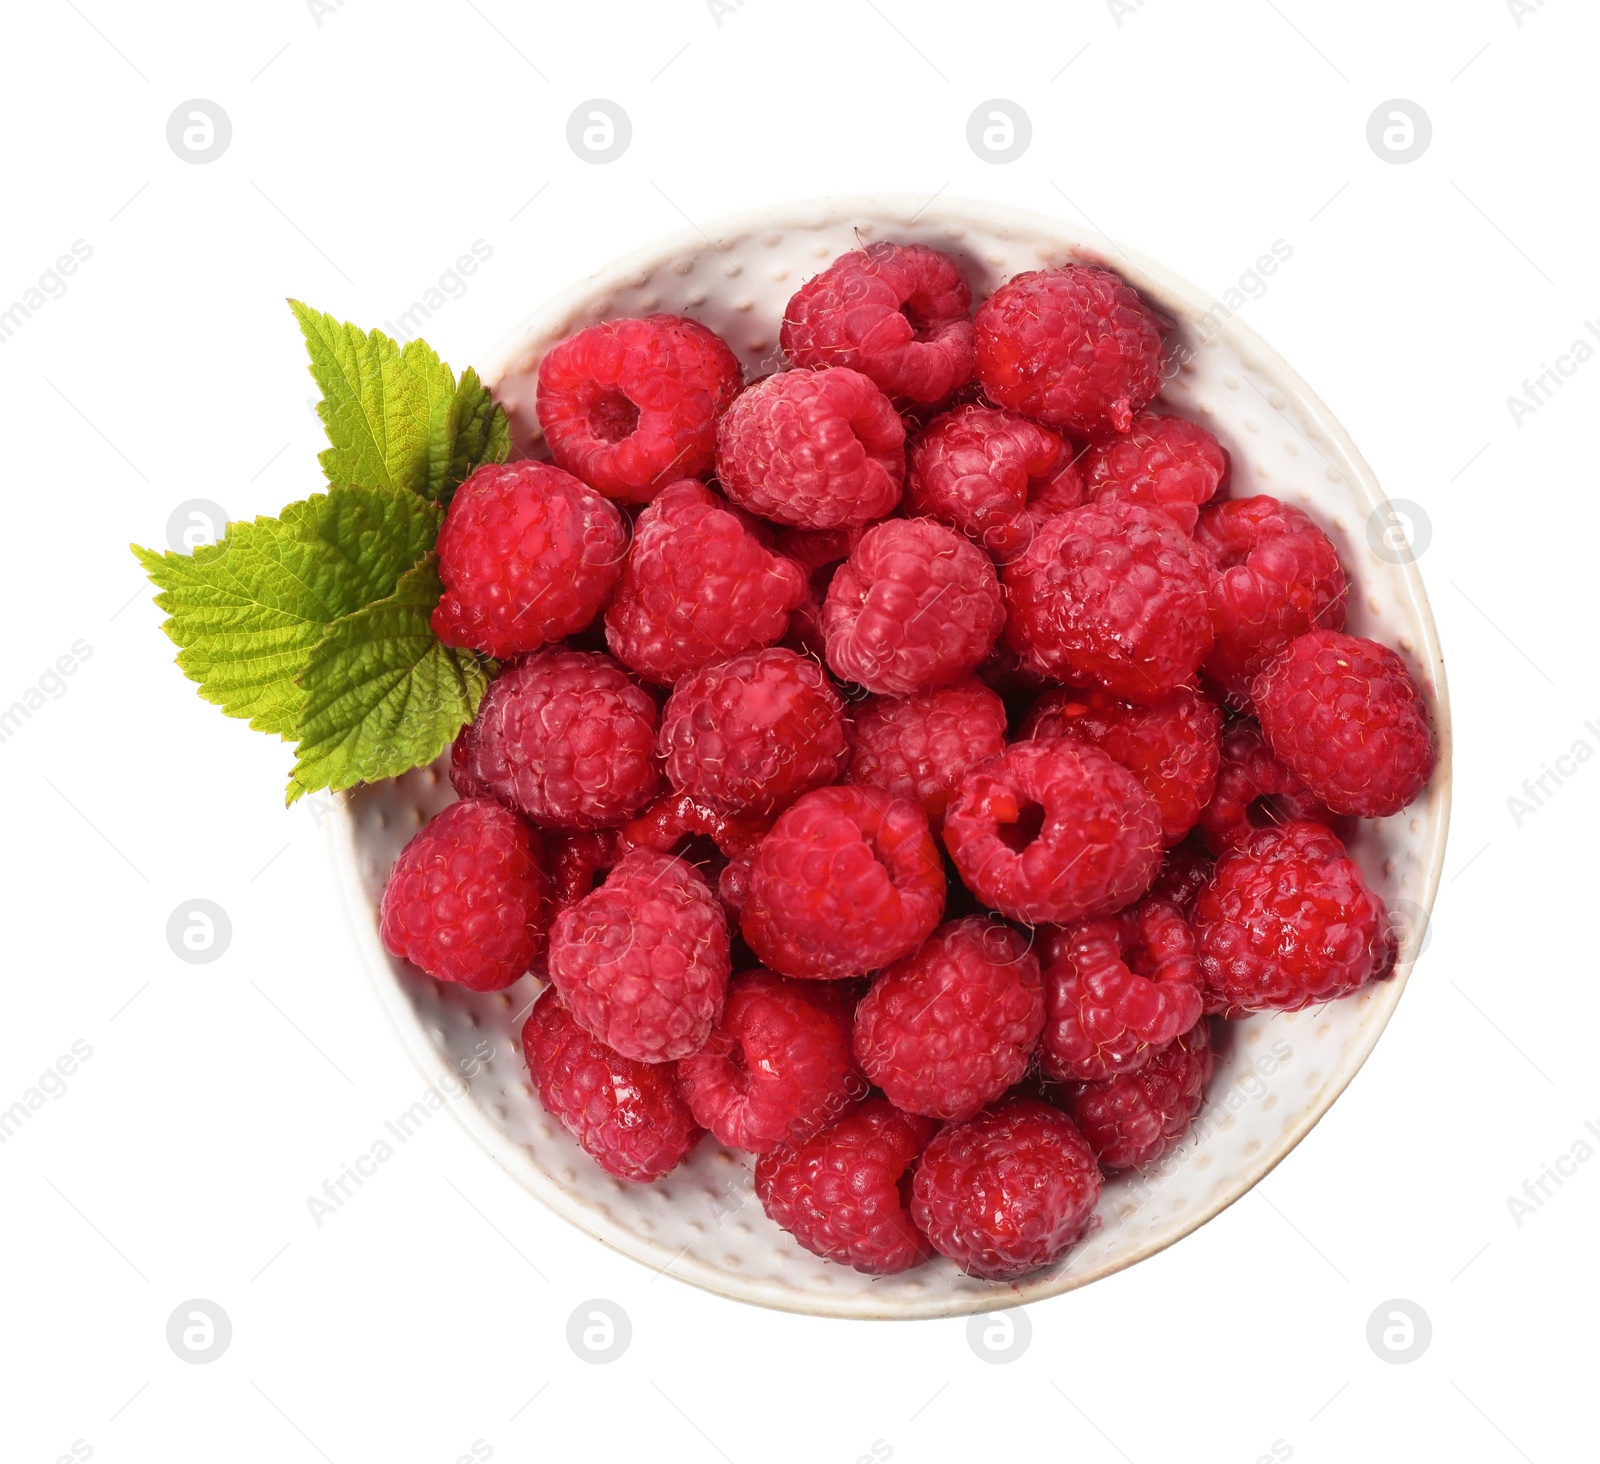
(1276, 1074)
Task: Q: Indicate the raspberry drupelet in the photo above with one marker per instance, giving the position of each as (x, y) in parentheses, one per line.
(527, 555)
(632, 405)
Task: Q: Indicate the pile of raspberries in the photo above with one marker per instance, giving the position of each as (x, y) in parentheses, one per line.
(899, 760)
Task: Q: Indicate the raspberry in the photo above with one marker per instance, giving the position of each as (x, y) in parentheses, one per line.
(698, 586)
(1255, 790)
(627, 1115)
(1277, 576)
(1287, 922)
(468, 899)
(989, 474)
(1114, 594)
(914, 607)
(461, 776)
(1121, 990)
(632, 405)
(1008, 1191)
(577, 858)
(950, 1028)
(777, 1068)
(1346, 715)
(1171, 747)
(847, 881)
(1166, 463)
(1185, 871)
(922, 747)
(568, 739)
(677, 816)
(816, 449)
(839, 1194)
(754, 732)
(1074, 347)
(642, 962)
(1053, 831)
(1132, 1119)
(527, 555)
(897, 313)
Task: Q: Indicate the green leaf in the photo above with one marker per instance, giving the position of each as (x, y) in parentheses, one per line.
(395, 416)
(383, 693)
(247, 611)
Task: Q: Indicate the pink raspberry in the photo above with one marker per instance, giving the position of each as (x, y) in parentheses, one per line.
(698, 586)
(1074, 347)
(921, 748)
(990, 474)
(627, 1115)
(632, 405)
(1008, 1191)
(527, 555)
(468, 899)
(847, 881)
(1287, 922)
(913, 608)
(1172, 747)
(817, 449)
(1277, 575)
(951, 1027)
(1348, 718)
(1113, 594)
(642, 962)
(897, 313)
(568, 739)
(777, 1069)
(1053, 831)
(1133, 1119)
(840, 1193)
(1119, 992)
(754, 732)
(1166, 463)
(1255, 790)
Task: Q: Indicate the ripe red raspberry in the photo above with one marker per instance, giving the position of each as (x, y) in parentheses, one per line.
(1255, 790)
(1347, 716)
(914, 607)
(567, 738)
(754, 732)
(577, 858)
(1277, 576)
(990, 474)
(1053, 831)
(461, 775)
(1074, 347)
(1167, 463)
(1112, 594)
(527, 555)
(847, 881)
(951, 1027)
(1172, 747)
(642, 962)
(777, 1069)
(1122, 989)
(921, 748)
(1287, 922)
(816, 449)
(468, 899)
(1133, 1119)
(676, 816)
(627, 1115)
(632, 405)
(897, 313)
(1185, 871)
(698, 586)
(839, 1194)
(1008, 1191)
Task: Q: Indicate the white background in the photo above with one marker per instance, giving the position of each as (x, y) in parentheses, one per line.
(368, 152)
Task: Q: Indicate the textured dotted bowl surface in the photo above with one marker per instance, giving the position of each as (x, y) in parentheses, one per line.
(1276, 1076)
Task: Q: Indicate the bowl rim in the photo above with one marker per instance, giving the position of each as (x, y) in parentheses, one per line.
(886, 211)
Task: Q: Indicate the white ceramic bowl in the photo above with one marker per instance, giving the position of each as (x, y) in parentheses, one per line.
(1276, 1076)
